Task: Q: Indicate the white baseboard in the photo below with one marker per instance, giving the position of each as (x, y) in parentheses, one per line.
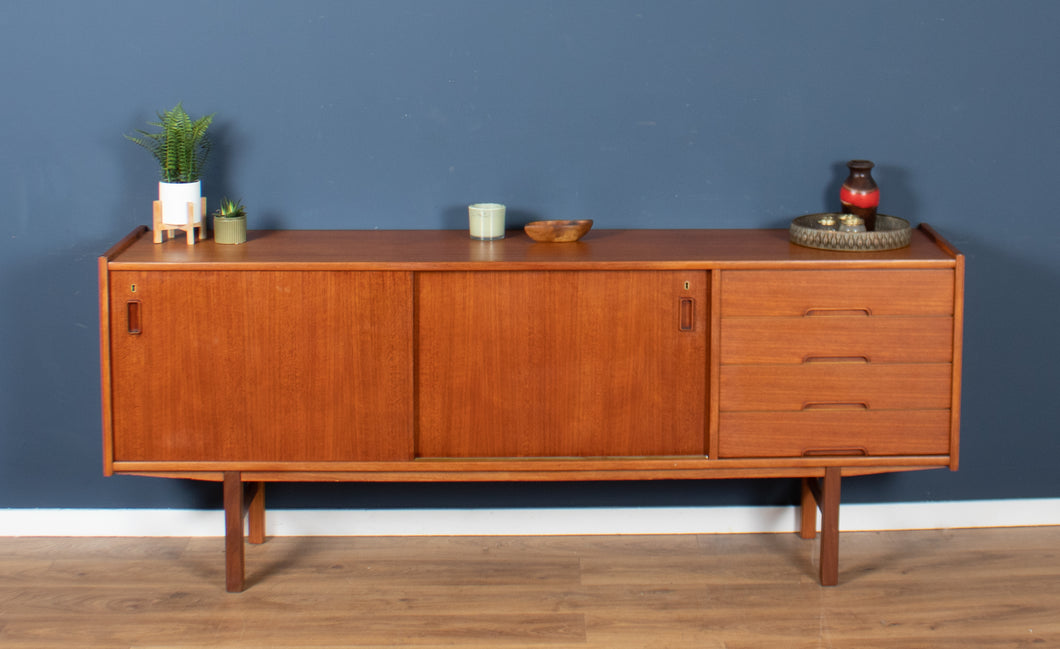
(528, 522)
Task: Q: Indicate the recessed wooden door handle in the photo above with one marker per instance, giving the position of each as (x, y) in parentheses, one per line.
(687, 314)
(133, 318)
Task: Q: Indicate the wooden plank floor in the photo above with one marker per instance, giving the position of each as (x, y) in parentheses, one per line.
(939, 589)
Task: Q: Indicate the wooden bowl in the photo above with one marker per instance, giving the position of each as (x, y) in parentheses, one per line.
(557, 231)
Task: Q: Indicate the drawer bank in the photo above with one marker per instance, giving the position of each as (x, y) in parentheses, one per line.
(427, 356)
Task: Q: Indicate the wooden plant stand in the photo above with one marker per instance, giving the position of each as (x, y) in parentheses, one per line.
(162, 230)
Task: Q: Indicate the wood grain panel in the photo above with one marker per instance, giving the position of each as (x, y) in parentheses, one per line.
(452, 250)
(877, 339)
(525, 364)
(802, 292)
(795, 387)
(238, 366)
(834, 432)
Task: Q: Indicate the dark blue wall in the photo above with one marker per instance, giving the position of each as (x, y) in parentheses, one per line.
(660, 113)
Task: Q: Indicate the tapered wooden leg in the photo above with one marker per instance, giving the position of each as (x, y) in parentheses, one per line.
(256, 512)
(233, 497)
(830, 526)
(808, 522)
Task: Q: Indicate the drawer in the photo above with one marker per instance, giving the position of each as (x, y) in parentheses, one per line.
(876, 339)
(811, 386)
(823, 292)
(833, 433)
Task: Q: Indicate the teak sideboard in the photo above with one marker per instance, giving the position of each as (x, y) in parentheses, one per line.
(428, 356)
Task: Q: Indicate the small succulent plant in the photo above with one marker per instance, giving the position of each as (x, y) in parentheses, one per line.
(230, 209)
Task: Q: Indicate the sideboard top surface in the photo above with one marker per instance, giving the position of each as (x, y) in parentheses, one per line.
(454, 250)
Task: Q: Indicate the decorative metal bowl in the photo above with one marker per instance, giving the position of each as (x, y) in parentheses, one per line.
(557, 231)
(891, 232)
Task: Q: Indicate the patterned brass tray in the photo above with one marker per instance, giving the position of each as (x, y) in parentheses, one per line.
(891, 232)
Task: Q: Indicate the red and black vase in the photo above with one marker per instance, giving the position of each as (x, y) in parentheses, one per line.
(859, 193)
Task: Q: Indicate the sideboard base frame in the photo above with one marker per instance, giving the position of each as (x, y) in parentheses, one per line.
(244, 506)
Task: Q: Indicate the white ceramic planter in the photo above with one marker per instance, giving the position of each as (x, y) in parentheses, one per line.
(175, 198)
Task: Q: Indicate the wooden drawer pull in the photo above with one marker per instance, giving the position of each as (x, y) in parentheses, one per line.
(829, 452)
(836, 359)
(831, 405)
(817, 311)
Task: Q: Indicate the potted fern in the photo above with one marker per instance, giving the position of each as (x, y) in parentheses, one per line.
(181, 148)
(230, 222)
